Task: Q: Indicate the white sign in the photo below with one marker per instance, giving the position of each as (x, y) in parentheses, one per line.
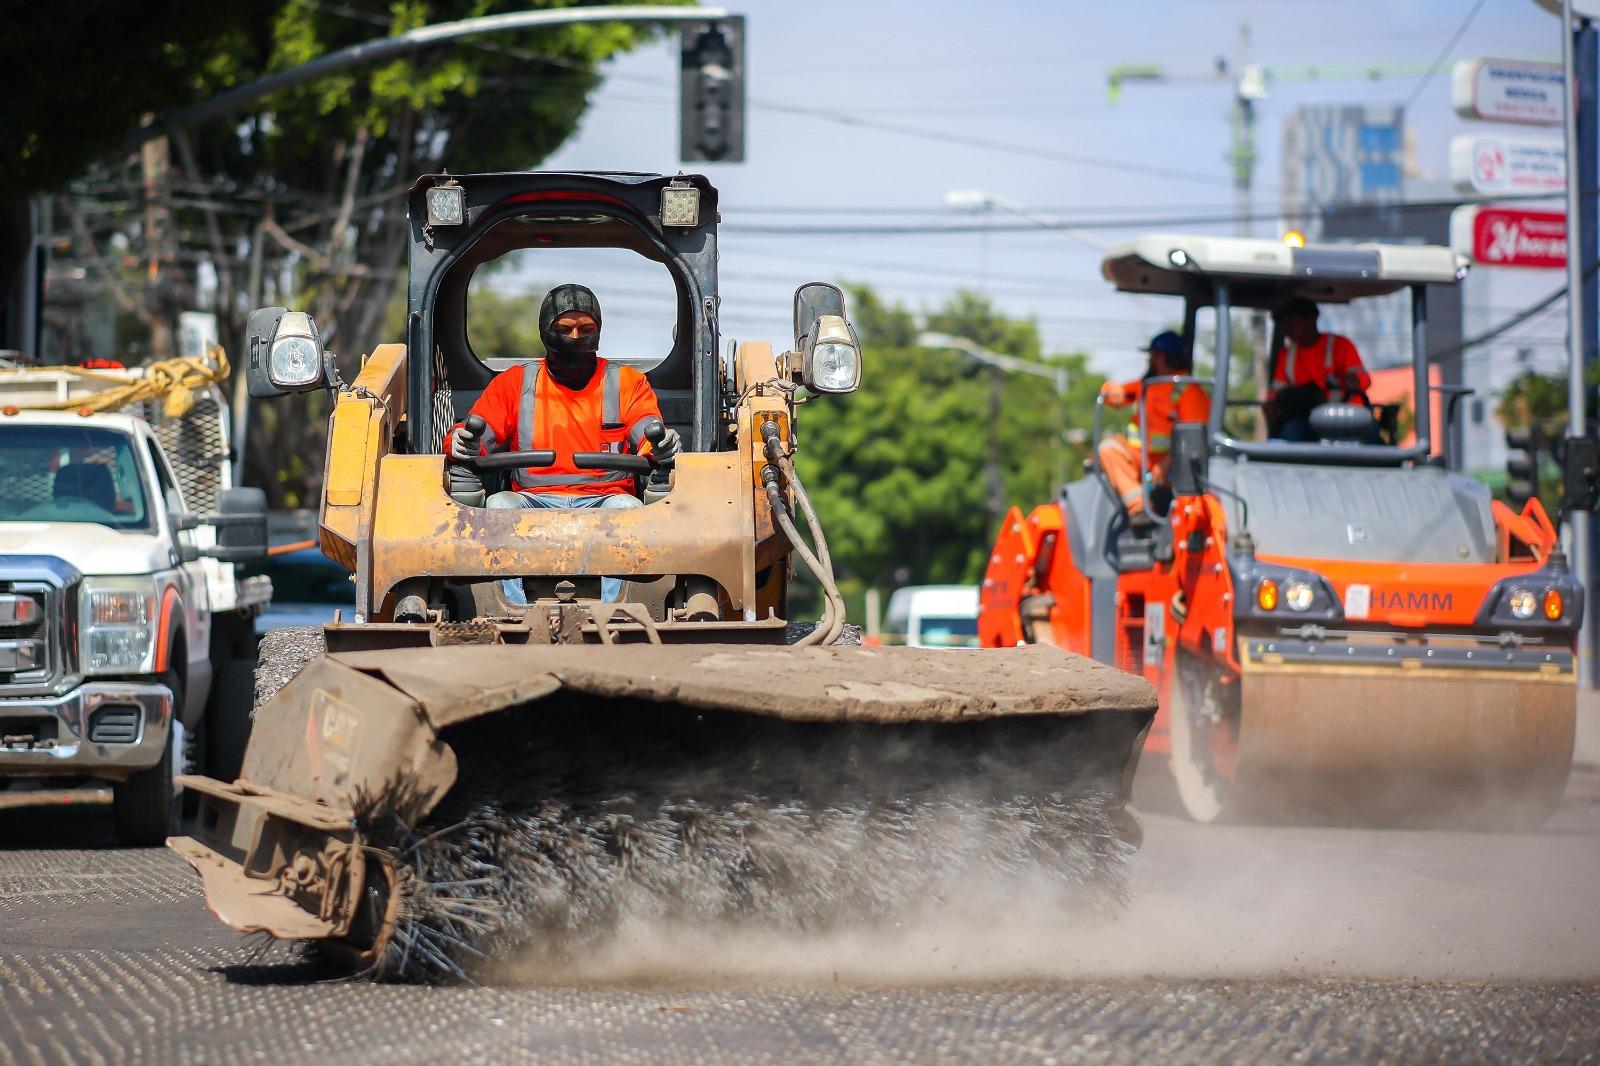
(1498, 165)
(1508, 90)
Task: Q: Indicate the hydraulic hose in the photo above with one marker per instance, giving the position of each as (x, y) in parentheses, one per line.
(831, 624)
(820, 540)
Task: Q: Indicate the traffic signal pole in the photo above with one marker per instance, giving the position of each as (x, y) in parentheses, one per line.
(1579, 61)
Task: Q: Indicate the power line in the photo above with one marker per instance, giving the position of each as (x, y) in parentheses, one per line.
(1444, 54)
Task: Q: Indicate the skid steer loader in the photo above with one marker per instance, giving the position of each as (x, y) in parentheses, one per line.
(461, 776)
(1344, 630)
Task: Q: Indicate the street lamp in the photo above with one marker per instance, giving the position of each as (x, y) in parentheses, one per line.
(978, 200)
(999, 365)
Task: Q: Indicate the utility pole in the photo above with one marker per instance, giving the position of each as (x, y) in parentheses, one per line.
(1579, 61)
(1000, 365)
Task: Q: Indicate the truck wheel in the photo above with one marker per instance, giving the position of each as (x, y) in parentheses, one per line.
(145, 807)
(233, 691)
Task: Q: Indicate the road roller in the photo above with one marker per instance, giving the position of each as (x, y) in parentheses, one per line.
(1342, 628)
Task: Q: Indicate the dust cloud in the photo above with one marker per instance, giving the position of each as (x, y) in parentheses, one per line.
(1203, 902)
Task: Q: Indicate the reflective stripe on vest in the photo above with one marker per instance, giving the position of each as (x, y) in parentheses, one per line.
(611, 397)
(601, 477)
(526, 407)
(640, 428)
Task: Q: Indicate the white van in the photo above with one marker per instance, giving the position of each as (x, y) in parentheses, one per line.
(933, 616)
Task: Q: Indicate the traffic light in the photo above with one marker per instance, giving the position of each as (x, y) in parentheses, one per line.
(711, 92)
(1522, 465)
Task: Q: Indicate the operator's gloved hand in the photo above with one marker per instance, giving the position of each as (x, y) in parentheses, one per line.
(666, 449)
(463, 445)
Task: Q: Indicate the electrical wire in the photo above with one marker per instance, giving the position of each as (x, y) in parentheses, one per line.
(1444, 54)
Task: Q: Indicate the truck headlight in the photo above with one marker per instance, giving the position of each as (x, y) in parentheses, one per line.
(116, 621)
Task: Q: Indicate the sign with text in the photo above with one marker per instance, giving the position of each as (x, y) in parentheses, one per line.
(1508, 90)
(1510, 236)
(1497, 165)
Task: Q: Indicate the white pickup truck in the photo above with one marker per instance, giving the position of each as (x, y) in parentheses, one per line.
(126, 639)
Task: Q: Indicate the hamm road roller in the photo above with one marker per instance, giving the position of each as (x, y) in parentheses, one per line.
(489, 758)
(1341, 628)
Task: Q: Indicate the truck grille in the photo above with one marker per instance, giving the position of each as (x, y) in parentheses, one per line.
(29, 654)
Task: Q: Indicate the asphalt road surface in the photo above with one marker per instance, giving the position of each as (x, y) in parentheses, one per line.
(1269, 945)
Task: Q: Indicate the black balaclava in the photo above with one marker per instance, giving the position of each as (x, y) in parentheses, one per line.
(570, 360)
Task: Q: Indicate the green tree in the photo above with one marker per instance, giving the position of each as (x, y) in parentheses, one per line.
(301, 200)
(897, 470)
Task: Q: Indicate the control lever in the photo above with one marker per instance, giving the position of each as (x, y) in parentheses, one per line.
(659, 483)
(461, 479)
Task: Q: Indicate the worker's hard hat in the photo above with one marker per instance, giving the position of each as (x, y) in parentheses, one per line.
(1166, 343)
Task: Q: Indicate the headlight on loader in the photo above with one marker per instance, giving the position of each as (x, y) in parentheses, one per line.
(1523, 603)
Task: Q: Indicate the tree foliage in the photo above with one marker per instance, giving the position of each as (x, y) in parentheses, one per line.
(897, 470)
(300, 201)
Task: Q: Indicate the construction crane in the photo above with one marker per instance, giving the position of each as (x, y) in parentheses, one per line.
(1252, 82)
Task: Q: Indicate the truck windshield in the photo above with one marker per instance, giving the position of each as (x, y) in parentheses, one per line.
(71, 474)
(937, 632)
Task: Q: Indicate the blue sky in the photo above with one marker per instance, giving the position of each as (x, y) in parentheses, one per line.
(1029, 75)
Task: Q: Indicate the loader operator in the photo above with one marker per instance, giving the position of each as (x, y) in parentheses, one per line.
(1312, 368)
(571, 401)
(1126, 460)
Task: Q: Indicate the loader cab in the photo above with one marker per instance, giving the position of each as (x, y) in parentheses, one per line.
(646, 245)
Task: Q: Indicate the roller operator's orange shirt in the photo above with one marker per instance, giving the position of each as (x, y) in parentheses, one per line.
(1321, 363)
(567, 421)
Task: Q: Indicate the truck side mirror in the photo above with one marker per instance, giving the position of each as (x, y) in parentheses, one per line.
(1580, 470)
(284, 353)
(241, 523)
(1191, 458)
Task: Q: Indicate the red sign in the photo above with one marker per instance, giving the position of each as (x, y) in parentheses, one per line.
(1508, 237)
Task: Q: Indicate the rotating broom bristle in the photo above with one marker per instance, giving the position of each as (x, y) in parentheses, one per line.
(656, 814)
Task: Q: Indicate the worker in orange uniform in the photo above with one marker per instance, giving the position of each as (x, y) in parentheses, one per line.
(570, 401)
(1126, 460)
(1312, 368)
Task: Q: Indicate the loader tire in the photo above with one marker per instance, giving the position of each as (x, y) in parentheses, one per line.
(145, 808)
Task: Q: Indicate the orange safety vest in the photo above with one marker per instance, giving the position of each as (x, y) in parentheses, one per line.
(530, 410)
(1309, 366)
(1164, 408)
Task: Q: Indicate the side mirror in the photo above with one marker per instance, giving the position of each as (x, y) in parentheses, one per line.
(1580, 474)
(182, 521)
(284, 353)
(832, 357)
(241, 523)
(812, 301)
(1191, 458)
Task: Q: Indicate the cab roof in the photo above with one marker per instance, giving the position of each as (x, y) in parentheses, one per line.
(1263, 273)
